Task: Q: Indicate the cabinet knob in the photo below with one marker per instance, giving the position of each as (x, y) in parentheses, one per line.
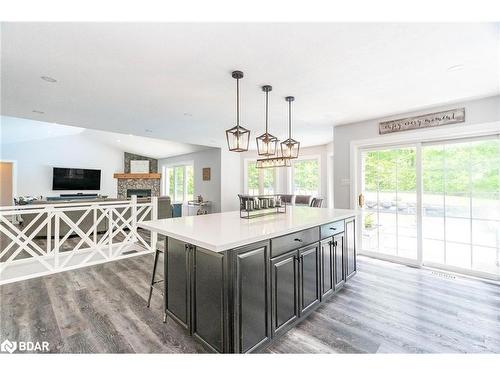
(298, 240)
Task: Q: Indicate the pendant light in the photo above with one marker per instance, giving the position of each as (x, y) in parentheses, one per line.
(273, 162)
(279, 160)
(267, 144)
(238, 137)
(290, 147)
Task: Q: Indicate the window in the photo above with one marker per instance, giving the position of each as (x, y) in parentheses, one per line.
(252, 179)
(268, 180)
(306, 177)
(179, 184)
(259, 181)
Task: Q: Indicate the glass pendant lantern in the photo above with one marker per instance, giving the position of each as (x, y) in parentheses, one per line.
(238, 137)
(290, 147)
(273, 162)
(267, 144)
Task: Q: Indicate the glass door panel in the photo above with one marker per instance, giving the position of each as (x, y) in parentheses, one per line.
(389, 186)
(461, 205)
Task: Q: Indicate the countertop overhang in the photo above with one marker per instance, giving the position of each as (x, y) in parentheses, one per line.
(223, 231)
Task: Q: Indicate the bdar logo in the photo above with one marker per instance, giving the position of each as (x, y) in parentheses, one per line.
(8, 346)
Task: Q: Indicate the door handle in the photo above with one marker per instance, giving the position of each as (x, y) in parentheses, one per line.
(361, 200)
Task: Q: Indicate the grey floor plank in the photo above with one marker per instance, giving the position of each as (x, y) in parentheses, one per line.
(385, 308)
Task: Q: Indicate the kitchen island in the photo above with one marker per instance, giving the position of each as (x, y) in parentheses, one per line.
(237, 284)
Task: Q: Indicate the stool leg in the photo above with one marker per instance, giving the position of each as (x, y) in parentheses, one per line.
(157, 252)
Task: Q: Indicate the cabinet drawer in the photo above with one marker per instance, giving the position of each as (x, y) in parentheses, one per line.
(293, 241)
(331, 229)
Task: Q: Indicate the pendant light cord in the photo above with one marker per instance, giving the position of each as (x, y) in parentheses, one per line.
(238, 102)
(289, 119)
(267, 104)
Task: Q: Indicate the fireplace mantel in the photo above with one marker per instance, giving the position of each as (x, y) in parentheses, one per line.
(134, 176)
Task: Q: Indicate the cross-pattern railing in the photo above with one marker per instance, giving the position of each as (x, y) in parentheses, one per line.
(38, 240)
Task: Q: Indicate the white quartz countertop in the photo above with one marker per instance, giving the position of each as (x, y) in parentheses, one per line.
(223, 231)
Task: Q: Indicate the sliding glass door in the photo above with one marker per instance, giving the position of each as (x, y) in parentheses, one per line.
(461, 205)
(389, 186)
(436, 204)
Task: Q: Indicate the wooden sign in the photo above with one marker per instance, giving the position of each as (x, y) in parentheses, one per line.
(452, 116)
(206, 174)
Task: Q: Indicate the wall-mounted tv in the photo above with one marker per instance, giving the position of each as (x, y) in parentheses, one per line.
(76, 179)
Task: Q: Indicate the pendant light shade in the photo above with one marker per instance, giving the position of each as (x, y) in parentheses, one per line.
(238, 137)
(290, 147)
(267, 144)
(273, 162)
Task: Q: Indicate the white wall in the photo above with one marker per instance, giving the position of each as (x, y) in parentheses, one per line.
(209, 190)
(36, 155)
(476, 112)
(230, 180)
(284, 174)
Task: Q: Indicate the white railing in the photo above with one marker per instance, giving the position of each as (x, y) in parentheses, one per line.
(37, 240)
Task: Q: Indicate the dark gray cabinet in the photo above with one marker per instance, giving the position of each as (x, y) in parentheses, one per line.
(327, 267)
(178, 285)
(208, 298)
(295, 285)
(338, 251)
(252, 297)
(309, 275)
(350, 248)
(285, 298)
(239, 300)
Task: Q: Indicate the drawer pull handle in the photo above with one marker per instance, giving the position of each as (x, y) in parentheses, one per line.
(333, 228)
(298, 240)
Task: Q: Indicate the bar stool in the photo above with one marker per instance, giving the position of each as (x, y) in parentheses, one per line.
(153, 281)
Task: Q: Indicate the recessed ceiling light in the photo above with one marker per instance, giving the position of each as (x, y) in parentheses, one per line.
(454, 68)
(49, 79)
(118, 141)
(130, 135)
(39, 112)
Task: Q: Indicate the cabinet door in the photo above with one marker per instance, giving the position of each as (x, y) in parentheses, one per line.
(309, 278)
(208, 296)
(178, 283)
(285, 300)
(252, 297)
(338, 250)
(327, 267)
(350, 247)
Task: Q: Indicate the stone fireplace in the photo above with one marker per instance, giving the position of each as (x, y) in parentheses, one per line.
(137, 181)
(139, 193)
(140, 184)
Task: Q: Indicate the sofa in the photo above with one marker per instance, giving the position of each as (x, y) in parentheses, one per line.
(164, 211)
(301, 200)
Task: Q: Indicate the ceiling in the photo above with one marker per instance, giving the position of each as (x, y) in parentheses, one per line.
(173, 81)
(16, 130)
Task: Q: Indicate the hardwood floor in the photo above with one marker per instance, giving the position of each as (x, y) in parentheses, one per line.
(385, 308)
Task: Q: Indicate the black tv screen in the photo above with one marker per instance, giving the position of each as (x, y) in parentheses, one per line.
(76, 179)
